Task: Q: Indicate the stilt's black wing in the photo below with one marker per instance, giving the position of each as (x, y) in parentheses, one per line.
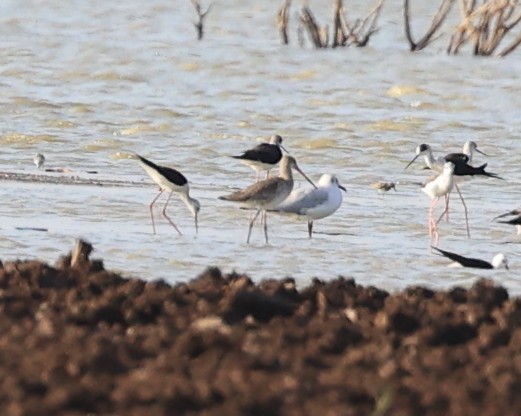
(264, 152)
(513, 221)
(465, 261)
(457, 158)
(172, 175)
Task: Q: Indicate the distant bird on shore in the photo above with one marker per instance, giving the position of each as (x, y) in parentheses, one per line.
(264, 156)
(513, 221)
(499, 261)
(435, 188)
(267, 194)
(39, 160)
(314, 203)
(382, 187)
(170, 180)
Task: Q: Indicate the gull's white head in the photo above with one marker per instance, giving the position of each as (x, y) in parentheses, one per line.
(327, 180)
(500, 261)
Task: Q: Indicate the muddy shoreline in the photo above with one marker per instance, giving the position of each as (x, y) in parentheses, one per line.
(77, 339)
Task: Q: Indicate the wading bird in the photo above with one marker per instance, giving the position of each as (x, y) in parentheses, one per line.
(314, 203)
(171, 180)
(435, 188)
(264, 156)
(267, 194)
(39, 160)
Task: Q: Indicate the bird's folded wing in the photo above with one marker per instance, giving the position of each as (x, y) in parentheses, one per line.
(300, 202)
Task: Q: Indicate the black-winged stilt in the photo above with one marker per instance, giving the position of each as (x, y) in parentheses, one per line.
(169, 179)
(435, 188)
(461, 169)
(264, 156)
(267, 194)
(499, 261)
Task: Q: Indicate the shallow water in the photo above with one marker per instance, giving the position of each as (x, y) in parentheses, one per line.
(86, 83)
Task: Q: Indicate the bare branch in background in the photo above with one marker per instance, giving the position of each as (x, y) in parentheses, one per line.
(511, 47)
(344, 32)
(436, 23)
(199, 26)
(315, 32)
(339, 33)
(282, 20)
(486, 26)
(367, 27)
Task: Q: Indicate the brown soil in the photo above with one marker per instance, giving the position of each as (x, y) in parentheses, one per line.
(76, 339)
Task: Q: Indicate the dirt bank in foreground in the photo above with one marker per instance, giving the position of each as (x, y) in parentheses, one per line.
(76, 339)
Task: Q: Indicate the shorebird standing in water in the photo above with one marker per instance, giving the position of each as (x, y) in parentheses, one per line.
(435, 188)
(499, 261)
(314, 203)
(170, 180)
(267, 194)
(39, 160)
(382, 187)
(465, 158)
(461, 169)
(264, 156)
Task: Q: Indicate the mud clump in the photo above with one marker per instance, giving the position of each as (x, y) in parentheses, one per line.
(76, 339)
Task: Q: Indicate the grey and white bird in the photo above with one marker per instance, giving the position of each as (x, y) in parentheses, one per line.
(268, 193)
(39, 160)
(314, 203)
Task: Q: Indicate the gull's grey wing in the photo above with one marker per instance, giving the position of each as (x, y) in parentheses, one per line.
(300, 200)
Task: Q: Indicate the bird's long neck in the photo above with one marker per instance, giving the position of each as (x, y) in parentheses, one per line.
(189, 201)
(285, 171)
(467, 150)
(429, 159)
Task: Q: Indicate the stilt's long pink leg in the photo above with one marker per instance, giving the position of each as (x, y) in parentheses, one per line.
(447, 200)
(151, 206)
(167, 217)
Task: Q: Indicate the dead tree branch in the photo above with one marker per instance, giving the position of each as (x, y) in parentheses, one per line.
(317, 34)
(199, 26)
(485, 26)
(282, 20)
(436, 23)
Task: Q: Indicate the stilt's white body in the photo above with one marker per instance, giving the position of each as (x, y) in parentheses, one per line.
(440, 186)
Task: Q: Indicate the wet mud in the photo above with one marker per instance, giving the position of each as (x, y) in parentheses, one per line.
(76, 339)
(67, 177)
